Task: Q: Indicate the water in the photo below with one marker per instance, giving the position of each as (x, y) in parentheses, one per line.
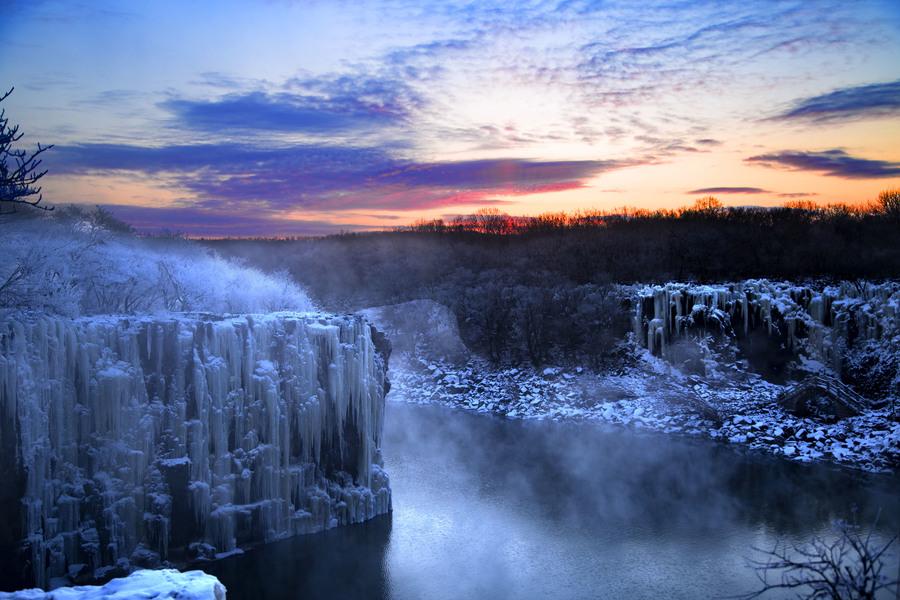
(489, 508)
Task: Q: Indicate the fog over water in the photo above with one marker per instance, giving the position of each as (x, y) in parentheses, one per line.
(491, 508)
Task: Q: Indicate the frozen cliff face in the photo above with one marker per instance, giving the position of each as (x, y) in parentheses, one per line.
(822, 323)
(133, 441)
(164, 583)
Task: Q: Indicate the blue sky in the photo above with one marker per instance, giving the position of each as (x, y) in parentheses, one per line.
(278, 117)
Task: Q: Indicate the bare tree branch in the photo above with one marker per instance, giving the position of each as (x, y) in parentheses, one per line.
(20, 170)
(847, 568)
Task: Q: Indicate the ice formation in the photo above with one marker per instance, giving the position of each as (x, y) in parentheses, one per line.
(140, 440)
(163, 583)
(820, 320)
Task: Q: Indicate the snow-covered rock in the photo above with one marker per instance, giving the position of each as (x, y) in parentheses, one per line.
(131, 441)
(161, 584)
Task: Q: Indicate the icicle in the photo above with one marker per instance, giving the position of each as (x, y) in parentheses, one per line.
(154, 433)
(819, 322)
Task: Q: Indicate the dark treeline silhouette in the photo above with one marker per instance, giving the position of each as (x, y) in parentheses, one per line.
(527, 288)
(707, 241)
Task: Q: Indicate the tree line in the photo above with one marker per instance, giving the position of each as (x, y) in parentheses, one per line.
(531, 288)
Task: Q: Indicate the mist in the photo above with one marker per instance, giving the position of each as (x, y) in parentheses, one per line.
(485, 507)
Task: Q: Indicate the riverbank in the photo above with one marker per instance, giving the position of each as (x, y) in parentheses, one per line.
(735, 407)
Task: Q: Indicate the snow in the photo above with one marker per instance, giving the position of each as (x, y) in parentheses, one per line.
(725, 400)
(76, 268)
(135, 436)
(161, 584)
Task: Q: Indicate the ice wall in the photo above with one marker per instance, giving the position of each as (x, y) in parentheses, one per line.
(139, 440)
(820, 320)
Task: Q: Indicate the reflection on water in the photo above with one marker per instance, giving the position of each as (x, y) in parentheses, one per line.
(488, 508)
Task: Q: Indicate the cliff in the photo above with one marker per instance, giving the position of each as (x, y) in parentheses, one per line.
(152, 440)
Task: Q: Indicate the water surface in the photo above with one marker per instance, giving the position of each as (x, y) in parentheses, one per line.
(491, 508)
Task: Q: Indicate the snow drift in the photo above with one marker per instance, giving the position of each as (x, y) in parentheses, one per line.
(135, 441)
(165, 583)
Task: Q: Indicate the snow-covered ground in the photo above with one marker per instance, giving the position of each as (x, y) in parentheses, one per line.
(161, 584)
(655, 396)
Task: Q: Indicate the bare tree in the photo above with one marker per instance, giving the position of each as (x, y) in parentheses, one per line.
(19, 170)
(708, 205)
(849, 568)
(889, 202)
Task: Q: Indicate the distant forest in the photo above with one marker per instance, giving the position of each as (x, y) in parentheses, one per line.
(527, 288)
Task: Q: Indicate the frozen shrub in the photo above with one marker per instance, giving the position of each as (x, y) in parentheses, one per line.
(872, 368)
(78, 265)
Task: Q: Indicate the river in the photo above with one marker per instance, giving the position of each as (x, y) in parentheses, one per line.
(491, 508)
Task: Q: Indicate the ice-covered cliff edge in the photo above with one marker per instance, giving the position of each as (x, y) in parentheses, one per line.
(131, 441)
(832, 324)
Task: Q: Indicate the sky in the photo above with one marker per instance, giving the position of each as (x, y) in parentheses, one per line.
(279, 117)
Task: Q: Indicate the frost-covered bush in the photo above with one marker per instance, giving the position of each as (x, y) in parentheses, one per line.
(77, 265)
(873, 368)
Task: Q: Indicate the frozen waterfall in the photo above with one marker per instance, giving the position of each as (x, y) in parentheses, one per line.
(133, 441)
(820, 320)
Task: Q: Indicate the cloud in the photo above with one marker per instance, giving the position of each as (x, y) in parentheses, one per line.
(423, 61)
(863, 101)
(323, 163)
(289, 112)
(206, 222)
(225, 81)
(834, 163)
(730, 190)
(107, 99)
(480, 174)
(653, 47)
(327, 177)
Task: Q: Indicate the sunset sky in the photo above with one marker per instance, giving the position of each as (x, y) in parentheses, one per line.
(283, 118)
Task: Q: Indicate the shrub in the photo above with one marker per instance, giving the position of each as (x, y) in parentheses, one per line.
(76, 265)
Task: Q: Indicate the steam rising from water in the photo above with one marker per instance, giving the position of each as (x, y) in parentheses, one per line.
(490, 508)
